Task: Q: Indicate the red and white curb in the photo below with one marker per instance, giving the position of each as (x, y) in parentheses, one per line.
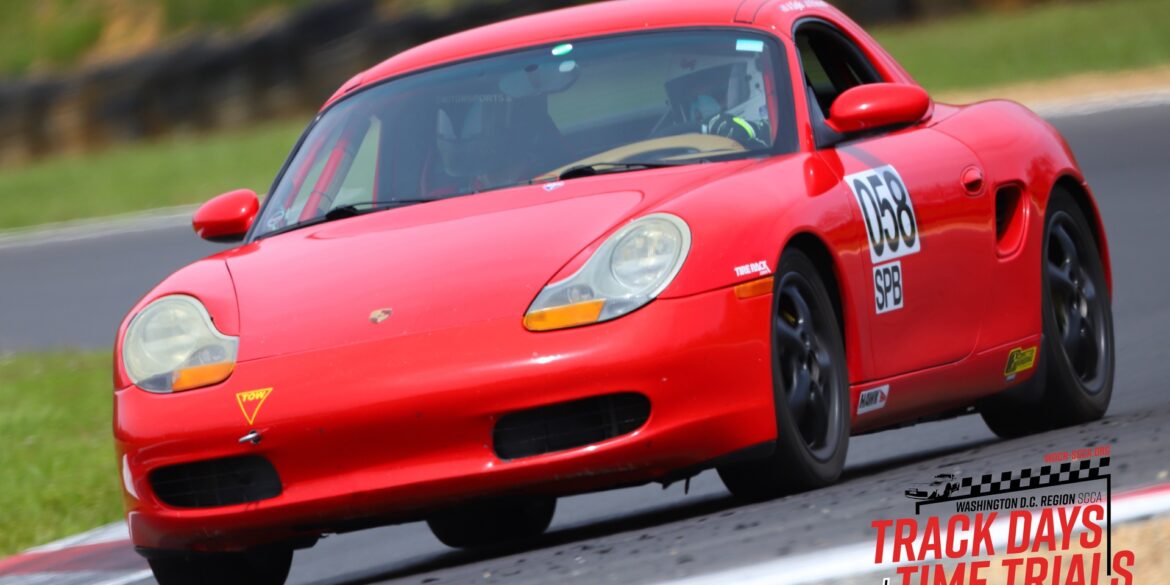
(102, 556)
(856, 560)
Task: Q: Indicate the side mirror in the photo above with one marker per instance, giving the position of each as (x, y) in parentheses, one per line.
(226, 218)
(878, 105)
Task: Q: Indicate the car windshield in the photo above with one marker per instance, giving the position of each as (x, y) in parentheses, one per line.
(607, 105)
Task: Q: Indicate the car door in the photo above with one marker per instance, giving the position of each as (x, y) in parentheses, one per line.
(926, 242)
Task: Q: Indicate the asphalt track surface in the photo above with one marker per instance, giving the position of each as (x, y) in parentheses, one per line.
(74, 293)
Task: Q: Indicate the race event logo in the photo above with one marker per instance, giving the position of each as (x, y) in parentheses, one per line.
(1049, 525)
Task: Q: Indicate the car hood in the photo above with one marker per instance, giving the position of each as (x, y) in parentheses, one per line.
(427, 267)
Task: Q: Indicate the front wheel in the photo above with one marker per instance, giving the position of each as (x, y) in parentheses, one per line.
(810, 386)
(1076, 354)
(493, 522)
(268, 566)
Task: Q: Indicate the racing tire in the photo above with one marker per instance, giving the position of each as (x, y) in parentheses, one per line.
(267, 566)
(1077, 358)
(810, 384)
(494, 522)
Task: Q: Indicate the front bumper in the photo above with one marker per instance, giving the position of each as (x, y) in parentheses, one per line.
(383, 432)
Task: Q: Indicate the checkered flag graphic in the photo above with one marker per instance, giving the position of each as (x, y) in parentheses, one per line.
(1047, 475)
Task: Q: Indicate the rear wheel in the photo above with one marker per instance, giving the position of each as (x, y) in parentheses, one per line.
(267, 566)
(1077, 355)
(493, 522)
(810, 386)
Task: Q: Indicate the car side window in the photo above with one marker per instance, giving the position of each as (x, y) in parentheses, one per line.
(832, 64)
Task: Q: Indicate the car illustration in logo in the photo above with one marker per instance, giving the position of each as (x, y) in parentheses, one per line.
(941, 487)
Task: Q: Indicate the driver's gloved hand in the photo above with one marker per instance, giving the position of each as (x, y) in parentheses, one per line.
(753, 135)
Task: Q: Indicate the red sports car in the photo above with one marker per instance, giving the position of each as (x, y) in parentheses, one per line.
(593, 248)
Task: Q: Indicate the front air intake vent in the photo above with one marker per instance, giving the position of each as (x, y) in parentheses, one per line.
(567, 425)
(217, 482)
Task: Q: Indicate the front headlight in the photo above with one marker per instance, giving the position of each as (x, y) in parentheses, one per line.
(629, 270)
(172, 345)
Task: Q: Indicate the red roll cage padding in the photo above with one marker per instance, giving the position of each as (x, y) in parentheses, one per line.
(302, 173)
(337, 158)
(770, 91)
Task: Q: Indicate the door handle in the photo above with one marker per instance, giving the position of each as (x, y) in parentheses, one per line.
(972, 179)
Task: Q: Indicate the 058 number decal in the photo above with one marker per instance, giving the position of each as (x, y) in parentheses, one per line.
(888, 212)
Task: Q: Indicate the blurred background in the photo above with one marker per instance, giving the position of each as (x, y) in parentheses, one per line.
(114, 107)
(82, 75)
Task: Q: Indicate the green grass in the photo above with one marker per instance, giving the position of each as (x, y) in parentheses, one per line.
(51, 32)
(144, 176)
(58, 474)
(56, 34)
(1045, 42)
(219, 13)
(980, 50)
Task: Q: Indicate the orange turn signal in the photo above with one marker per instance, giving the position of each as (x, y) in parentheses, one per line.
(754, 288)
(564, 316)
(200, 376)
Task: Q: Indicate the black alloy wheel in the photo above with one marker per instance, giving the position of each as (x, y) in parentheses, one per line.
(1078, 308)
(810, 388)
(262, 566)
(804, 367)
(500, 522)
(1074, 379)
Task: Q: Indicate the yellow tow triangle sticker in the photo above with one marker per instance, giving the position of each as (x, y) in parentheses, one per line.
(251, 401)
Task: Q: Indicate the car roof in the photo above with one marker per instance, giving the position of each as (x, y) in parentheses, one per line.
(616, 16)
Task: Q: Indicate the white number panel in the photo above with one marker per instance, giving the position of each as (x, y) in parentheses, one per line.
(888, 213)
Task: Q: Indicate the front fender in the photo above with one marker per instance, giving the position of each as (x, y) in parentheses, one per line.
(741, 224)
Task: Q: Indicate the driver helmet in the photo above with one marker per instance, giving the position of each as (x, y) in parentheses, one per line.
(724, 96)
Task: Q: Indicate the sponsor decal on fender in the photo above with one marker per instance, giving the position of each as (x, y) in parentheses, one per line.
(873, 399)
(758, 268)
(1019, 360)
(251, 401)
(801, 5)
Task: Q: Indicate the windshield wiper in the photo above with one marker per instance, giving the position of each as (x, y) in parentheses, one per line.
(346, 211)
(599, 168)
(365, 207)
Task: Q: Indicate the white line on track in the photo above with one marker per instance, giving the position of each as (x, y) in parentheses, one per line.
(77, 578)
(101, 534)
(167, 218)
(127, 579)
(854, 560)
(1096, 104)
